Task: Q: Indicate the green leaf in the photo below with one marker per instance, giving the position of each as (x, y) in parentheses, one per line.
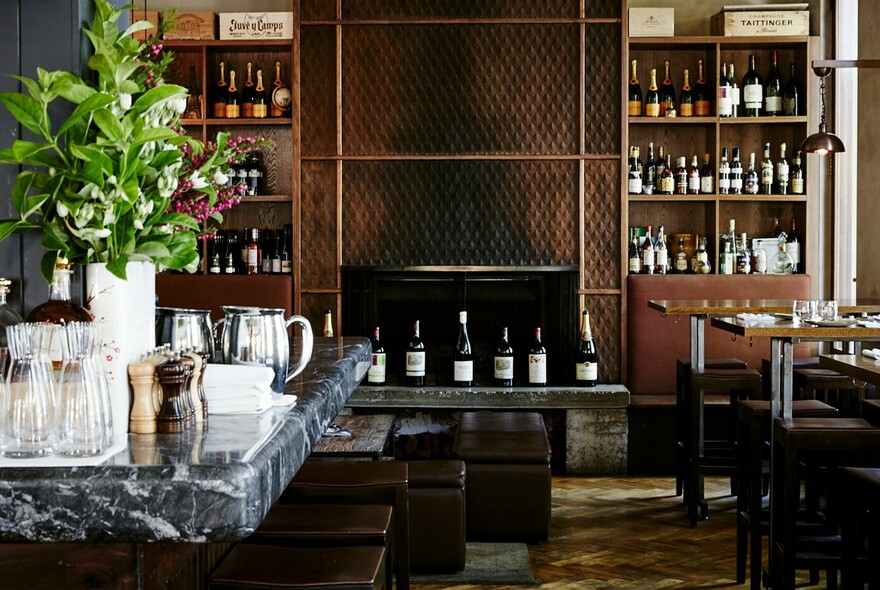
(140, 25)
(179, 219)
(92, 172)
(54, 238)
(156, 95)
(129, 86)
(153, 249)
(33, 88)
(90, 154)
(153, 134)
(109, 125)
(28, 111)
(117, 266)
(47, 265)
(9, 227)
(125, 70)
(87, 105)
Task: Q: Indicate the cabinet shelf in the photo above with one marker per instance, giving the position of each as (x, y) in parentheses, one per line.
(673, 120)
(762, 120)
(267, 199)
(241, 121)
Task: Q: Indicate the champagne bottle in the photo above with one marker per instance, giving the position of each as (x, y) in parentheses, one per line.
(537, 361)
(693, 187)
(736, 174)
(652, 98)
(793, 247)
(782, 172)
(261, 100)
(773, 88)
(247, 94)
(416, 362)
(634, 102)
(233, 104)
(751, 179)
(797, 175)
(707, 177)
(328, 323)
(702, 106)
(503, 361)
(724, 93)
(586, 364)
(735, 95)
(791, 96)
(463, 358)
(649, 180)
(686, 98)
(634, 180)
(753, 90)
(376, 372)
(220, 94)
(667, 94)
(281, 96)
(724, 173)
(681, 176)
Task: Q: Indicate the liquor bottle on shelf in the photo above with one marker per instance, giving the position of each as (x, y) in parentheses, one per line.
(416, 362)
(693, 186)
(287, 247)
(463, 358)
(247, 94)
(681, 265)
(743, 257)
(667, 178)
(281, 97)
(220, 90)
(635, 256)
(659, 165)
(735, 94)
(759, 259)
(730, 248)
(791, 96)
(254, 254)
(254, 172)
(502, 372)
(376, 372)
(537, 361)
(767, 172)
(773, 88)
(328, 323)
(707, 177)
(194, 97)
(648, 259)
(724, 94)
(652, 98)
(686, 98)
(681, 176)
(700, 263)
(736, 174)
(724, 173)
(753, 90)
(793, 247)
(797, 175)
(751, 179)
(215, 266)
(634, 101)
(649, 179)
(261, 99)
(661, 253)
(783, 264)
(229, 266)
(233, 101)
(782, 172)
(667, 94)
(586, 372)
(634, 181)
(702, 107)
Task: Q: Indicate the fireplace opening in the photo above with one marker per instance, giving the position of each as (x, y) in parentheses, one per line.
(520, 300)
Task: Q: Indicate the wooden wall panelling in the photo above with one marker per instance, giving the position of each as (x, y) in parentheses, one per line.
(319, 228)
(318, 87)
(600, 258)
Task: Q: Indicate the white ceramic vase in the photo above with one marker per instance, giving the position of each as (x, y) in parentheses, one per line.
(127, 310)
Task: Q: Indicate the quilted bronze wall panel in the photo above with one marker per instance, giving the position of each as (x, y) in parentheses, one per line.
(461, 89)
(317, 10)
(504, 213)
(319, 228)
(602, 89)
(601, 256)
(318, 71)
(429, 9)
(602, 9)
(313, 306)
(605, 323)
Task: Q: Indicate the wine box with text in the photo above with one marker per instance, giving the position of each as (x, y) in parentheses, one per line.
(256, 25)
(191, 25)
(651, 22)
(769, 20)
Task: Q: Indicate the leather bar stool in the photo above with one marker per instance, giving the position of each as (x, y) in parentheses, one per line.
(437, 515)
(806, 362)
(753, 439)
(360, 482)
(830, 387)
(871, 411)
(259, 567)
(859, 494)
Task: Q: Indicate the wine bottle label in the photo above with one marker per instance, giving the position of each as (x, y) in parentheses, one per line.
(773, 104)
(701, 108)
(537, 368)
(586, 371)
(753, 94)
(635, 264)
(415, 364)
(286, 268)
(634, 108)
(376, 374)
(233, 111)
(793, 249)
(724, 101)
(723, 180)
(686, 109)
(667, 184)
(681, 264)
(648, 258)
(635, 183)
(503, 367)
(797, 186)
(266, 265)
(694, 183)
(261, 111)
(463, 370)
(652, 109)
(707, 186)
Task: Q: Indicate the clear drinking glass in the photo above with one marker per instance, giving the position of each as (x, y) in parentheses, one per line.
(828, 310)
(81, 419)
(803, 310)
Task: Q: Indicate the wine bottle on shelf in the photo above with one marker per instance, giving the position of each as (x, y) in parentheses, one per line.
(724, 173)
(727, 260)
(287, 248)
(634, 180)
(247, 94)
(791, 96)
(702, 106)
(751, 179)
(773, 88)
(281, 97)
(659, 165)
(586, 372)
(220, 90)
(793, 247)
(254, 170)
(707, 177)
(681, 176)
(537, 361)
(261, 99)
(743, 257)
(667, 178)
(634, 102)
(782, 172)
(503, 361)
(328, 323)
(233, 101)
(667, 94)
(416, 363)
(736, 174)
(735, 94)
(267, 246)
(463, 358)
(254, 253)
(693, 187)
(767, 172)
(753, 90)
(376, 372)
(797, 175)
(724, 94)
(686, 98)
(652, 98)
(649, 179)
(681, 264)
(661, 253)
(648, 259)
(635, 256)
(277, 249)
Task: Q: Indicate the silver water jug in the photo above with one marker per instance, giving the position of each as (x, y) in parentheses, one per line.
(185, 329)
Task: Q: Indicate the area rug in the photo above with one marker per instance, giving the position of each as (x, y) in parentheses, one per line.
(488, 563)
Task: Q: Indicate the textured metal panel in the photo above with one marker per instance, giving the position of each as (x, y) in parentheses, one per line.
(319, 245)
(601, 256)
(313, 306)
(605, 323)
(602, 88)
(462, 89)
(318, 9)
(460, 213)
(425, 9)
(602, 9)
(318, 70)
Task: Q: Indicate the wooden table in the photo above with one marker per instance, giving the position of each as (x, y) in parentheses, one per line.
(855, 365)
(370, 436)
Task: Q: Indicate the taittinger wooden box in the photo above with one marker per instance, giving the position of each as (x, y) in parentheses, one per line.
(769, 20)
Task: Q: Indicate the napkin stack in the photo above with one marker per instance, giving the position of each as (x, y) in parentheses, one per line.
(869, 324)
(756, 318)
(241, 389)
(873, 353)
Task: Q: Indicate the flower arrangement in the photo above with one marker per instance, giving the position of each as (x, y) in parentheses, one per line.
(118, 180)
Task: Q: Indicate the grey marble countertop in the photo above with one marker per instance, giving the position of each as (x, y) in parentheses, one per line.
(603, 396)
(209, 484)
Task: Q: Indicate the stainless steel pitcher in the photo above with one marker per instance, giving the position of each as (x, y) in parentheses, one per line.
(185, 329)
(258, 336)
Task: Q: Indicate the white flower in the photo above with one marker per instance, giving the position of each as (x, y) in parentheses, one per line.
(138, 224)
(166, 185)
(179, 104)
(220, 179)
(124, 101)
(198, 181)
(102, 233)
(61, 209)
(84, 215)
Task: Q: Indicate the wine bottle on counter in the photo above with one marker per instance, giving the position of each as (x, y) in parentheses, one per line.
(220, 94)
(328, 323)
(537, 361)
(652, 98)
(773, 88)
(586, 364)
(416, 363)
(667, 94)
(233, 100)
(376, 372)
(247, 94)
(503, 362)
(463, 358)
(634, 101)
(702, 106)
(753, 90)
(686, 98)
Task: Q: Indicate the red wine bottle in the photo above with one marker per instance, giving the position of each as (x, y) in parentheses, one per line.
(415, 359)
(503, 361)
(463, 358)
(376, 373)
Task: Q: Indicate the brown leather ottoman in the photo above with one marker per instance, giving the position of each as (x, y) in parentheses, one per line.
(437, 516)
(507, 491)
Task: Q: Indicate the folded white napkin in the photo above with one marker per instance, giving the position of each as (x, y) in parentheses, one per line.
(756, 317)
(237, 375)
(869, 324)
(238, 400)
(873, 353)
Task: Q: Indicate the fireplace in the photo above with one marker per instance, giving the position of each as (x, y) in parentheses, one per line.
(518, 298)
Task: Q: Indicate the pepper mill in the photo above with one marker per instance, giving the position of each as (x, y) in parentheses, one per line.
(143, 413)
(185, 397)
(172, 416)
(202, 397)
(195, 398)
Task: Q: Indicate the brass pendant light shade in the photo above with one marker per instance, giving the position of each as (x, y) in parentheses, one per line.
(822, 142)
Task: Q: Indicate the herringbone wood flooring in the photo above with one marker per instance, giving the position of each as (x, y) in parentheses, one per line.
(631, 533)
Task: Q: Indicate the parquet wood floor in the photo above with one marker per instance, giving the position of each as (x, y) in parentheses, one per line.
(631, 533)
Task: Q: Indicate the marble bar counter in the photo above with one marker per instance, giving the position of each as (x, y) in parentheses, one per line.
(207, 485)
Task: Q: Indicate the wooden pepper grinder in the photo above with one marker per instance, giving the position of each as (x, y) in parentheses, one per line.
(143, 413)
(195, 399)
(172, 415)
(185, 397)
(204, 399)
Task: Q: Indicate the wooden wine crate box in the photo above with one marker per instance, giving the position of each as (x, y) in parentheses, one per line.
(193, 25)
(151, 16)
(651, 22)
(769, 20)
(256, 25)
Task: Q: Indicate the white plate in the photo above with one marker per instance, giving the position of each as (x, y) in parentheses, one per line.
(841, 323)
